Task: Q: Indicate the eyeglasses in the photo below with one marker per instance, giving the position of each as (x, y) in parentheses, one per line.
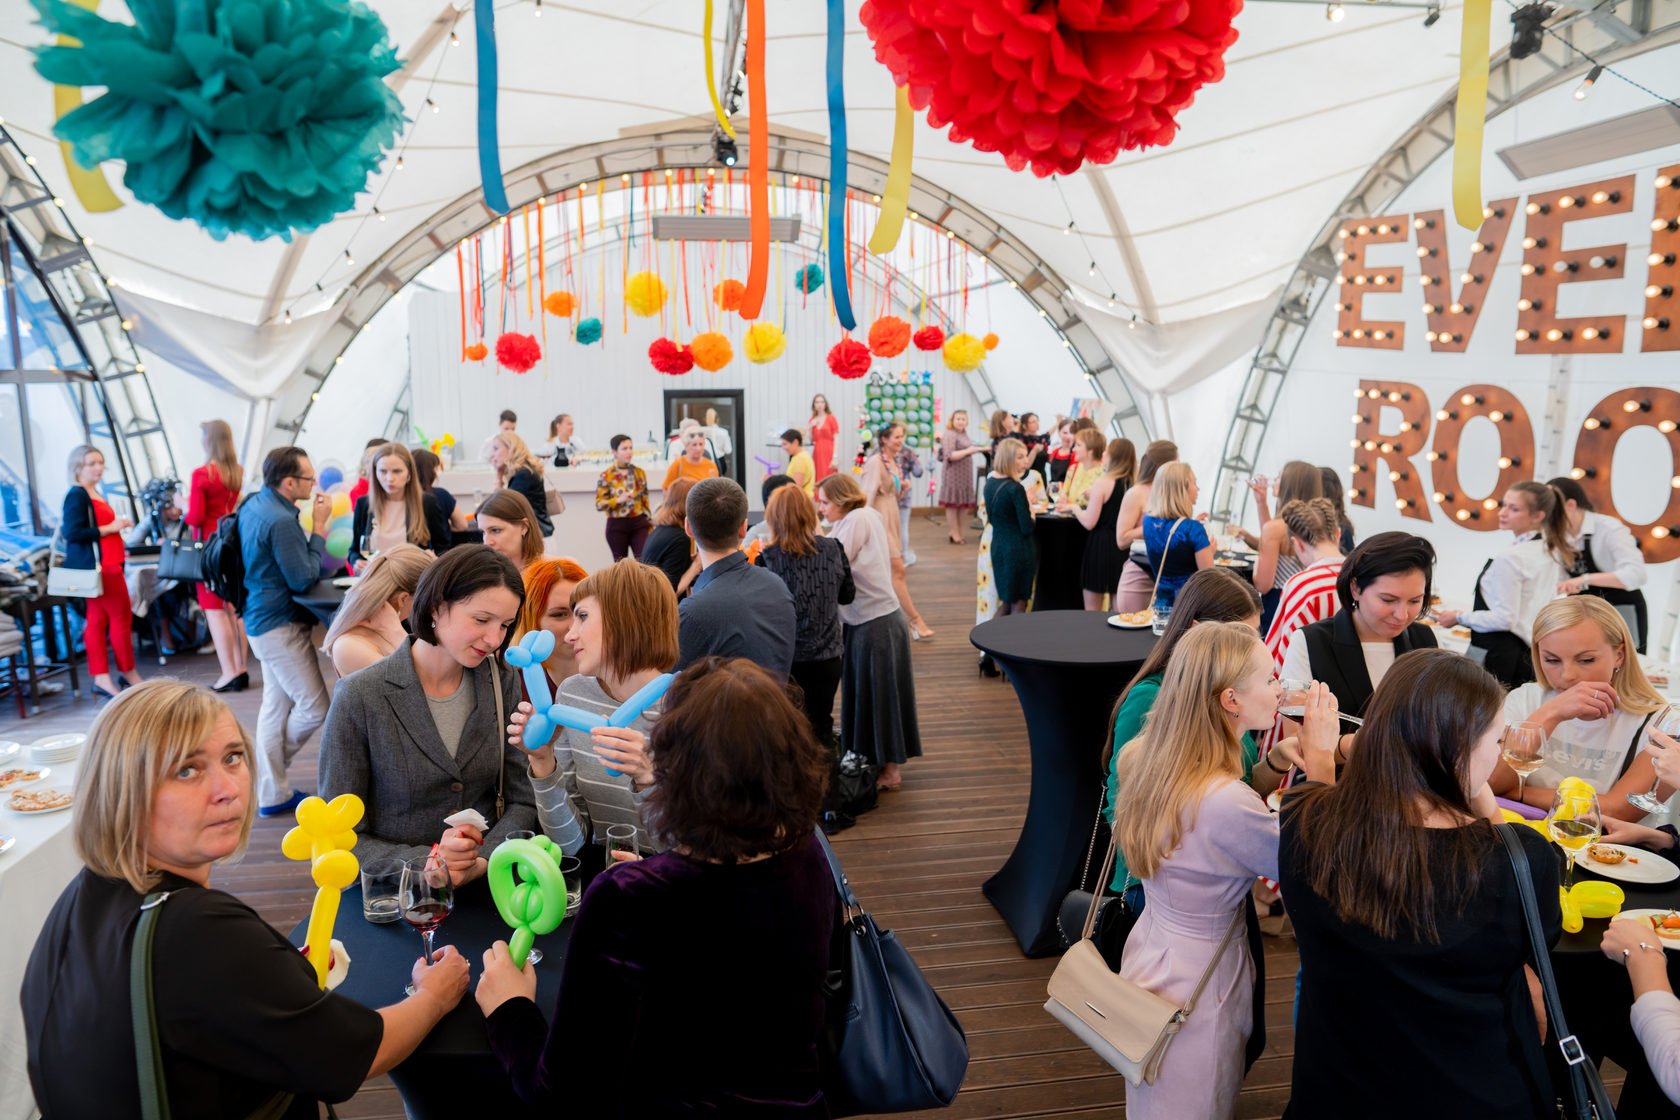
(304, 477)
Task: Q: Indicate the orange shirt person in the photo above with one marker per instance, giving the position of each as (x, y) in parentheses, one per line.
(692, 464)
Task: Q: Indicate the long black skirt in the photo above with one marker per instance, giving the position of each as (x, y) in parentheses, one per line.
(878, 692)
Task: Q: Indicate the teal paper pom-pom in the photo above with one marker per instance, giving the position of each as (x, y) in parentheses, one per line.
(589, 330)
(259, 117)
(809, 278)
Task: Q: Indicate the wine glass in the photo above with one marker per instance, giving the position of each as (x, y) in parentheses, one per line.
(370, 547)
(1523, 749)
(427, 898)
(1666, 721)
(1293, 701)
(1574, 822)
(535, 955)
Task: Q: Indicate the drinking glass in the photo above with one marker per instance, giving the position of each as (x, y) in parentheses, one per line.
(381, 887)
(1666, 721)
(1574, 822)
(1523, 749)
(535, 955)
(370, 547)
(1293, 701)
(1161, 617)
(571, 870)
(620, 838)
(427, 898)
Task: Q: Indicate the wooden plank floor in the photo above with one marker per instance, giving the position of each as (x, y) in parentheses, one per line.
(917, 863)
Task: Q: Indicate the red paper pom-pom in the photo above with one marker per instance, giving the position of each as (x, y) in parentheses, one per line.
(929, 338)
(849, 359)
(1053, 85)
(729, 294)
(888, 336)
(668, 357)
(518, 352)
(477, 351)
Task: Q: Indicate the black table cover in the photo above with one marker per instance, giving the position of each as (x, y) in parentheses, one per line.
(322, 601)
(1068, 668)
(1061, 551)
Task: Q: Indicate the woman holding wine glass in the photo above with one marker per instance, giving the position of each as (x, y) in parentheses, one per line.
(395, 510)
(1594, 710)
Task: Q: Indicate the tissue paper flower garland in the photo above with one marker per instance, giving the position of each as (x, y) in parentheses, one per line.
(809, 278)
(711, 351)
(560, 303)
(888, 336)
(849, 359)
(1053, 85)
(929, 338)
(668, 357)
(589, 330)
(245, 116)
(763, 342)
(477, 351)
(518, 352)
(728, 294)
(645, 292)
(964, 352)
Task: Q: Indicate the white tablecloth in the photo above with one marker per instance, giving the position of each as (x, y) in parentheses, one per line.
(32, 876)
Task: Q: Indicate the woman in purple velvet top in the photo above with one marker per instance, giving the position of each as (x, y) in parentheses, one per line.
(694, 978)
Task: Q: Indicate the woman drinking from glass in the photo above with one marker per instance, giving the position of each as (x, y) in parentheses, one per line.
(1278, 561)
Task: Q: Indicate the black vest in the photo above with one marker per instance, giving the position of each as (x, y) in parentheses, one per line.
(1336, 659)
(1615, 596)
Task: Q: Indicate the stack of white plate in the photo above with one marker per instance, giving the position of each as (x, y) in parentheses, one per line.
(57, 748)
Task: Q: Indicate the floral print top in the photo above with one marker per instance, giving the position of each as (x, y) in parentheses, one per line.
(622, 491)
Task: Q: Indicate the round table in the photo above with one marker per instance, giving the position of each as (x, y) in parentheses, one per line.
(1068, 668)
(322, 600)
(1061, 552)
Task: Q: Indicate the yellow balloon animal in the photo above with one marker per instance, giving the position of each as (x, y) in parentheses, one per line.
(324, 835)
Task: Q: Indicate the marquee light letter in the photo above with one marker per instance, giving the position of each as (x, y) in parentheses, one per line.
(1516, 451)
(1376, 454)
(1547, 266)
(1355, 235)
(1595, 450)
(1452, 318)
(1660, 327)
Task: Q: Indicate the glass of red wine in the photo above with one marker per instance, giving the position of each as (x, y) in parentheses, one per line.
(427, 898)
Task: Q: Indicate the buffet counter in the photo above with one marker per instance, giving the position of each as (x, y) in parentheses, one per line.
(581, 531)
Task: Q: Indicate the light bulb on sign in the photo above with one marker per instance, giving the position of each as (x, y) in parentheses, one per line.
(1490, 504)
(1462, 515)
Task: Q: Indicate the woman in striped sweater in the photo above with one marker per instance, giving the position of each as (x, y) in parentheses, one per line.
(1310, 594)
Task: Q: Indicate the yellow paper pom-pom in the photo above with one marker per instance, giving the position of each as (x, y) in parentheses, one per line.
(964, 352)
(764, 342)
(711, 351)
(645, 293)
(560, 303)
(990, 342)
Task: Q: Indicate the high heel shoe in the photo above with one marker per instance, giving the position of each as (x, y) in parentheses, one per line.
(101, 694)
(237, 684)
(988, 667)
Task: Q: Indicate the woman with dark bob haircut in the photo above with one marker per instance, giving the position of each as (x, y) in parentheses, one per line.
(738, 783)
(1403, 898)
(445, 750)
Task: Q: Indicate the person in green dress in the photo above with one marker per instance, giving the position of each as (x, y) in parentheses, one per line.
(1014, 549)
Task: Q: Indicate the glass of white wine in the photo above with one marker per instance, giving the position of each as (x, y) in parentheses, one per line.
(1523, 749)
(1666, 721)
(1574, 822)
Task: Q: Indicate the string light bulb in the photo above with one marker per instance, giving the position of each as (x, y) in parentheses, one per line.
(348, 259)
(454, 39)
(288, 316)
(432, 105)
(1581, 90)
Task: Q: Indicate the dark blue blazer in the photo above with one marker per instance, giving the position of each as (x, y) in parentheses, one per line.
(79, 530)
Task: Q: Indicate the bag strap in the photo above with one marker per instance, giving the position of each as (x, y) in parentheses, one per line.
(501, 734)
(847, 900)
(154, 1102)
(1633, 744)
(1585, 1085)
(1156, 590)
(1090, 849)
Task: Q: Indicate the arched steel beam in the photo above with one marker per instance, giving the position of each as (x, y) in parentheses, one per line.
(1510, 82)
(688, 144)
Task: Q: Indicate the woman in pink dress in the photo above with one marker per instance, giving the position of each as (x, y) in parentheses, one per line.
(824, 427)
(213, 495)
(1198, 837)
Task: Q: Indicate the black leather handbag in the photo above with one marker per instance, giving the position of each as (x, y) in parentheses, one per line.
(890, 1043)
(181, 558)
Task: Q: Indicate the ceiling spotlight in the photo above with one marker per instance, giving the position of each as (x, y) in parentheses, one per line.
(1434, 14)
(1093, 269)
(348, 259)
(288, 315)
(1528, 29)
(432, 105)
(1333, 13)
(1581, 90)
(724, 150)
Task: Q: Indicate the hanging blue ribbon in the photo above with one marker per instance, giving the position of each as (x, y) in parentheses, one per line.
(837, 164)
(489, 157)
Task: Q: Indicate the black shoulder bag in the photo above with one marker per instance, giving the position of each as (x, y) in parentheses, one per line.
(1586, 1098)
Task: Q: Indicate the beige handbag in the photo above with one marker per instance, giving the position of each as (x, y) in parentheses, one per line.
(1128, 1026)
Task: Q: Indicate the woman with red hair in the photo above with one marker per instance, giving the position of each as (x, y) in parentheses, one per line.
(548, 606)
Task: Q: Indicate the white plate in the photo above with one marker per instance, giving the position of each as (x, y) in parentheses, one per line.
(1274, 801)
(8, 748)
(45, 773)
(6, 842)
(1643, 917)
(1651, 868)
(346, 582)
(1114, 621)
(38, 812)
(52, 748)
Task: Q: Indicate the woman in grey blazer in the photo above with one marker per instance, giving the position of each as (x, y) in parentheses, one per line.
(418, 736)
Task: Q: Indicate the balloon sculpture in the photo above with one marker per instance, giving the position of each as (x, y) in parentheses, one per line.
(528, 657)
(324, 835)
(537, 902)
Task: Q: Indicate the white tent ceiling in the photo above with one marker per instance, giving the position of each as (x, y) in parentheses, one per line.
(1219, 217)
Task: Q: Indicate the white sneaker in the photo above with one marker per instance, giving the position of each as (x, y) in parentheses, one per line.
(909, 559)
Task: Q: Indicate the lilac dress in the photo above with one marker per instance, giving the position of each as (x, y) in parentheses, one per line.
(1190, 900)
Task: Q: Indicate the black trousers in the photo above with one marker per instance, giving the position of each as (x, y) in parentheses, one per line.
(819, 680)
(626, 535)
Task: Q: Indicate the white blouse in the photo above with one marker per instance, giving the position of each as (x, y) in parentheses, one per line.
(1521, 580)
(1379, 659)
(1613, 548)
(1590, 749)
(863, 534)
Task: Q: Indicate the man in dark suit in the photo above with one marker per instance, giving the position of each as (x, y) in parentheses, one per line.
(734, 608)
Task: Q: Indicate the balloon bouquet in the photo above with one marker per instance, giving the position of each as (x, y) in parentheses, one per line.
(330, 478)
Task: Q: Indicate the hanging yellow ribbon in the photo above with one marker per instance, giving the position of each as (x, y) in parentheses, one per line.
(895, 198)
(711, 82)
(92, 191)
(1470, 113)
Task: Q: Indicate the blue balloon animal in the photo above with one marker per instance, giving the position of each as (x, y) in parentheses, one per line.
(528, 657)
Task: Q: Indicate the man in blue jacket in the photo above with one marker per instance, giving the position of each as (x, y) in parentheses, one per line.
(281, 561)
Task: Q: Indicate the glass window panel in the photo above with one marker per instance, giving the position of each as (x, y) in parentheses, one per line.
(47, 341)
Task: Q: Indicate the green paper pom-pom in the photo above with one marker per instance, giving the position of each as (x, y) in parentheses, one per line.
(588, 330)
(259, 117)
(809, 278)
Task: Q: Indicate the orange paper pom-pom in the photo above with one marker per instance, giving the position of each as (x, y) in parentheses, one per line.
(518, 352)
(990, 342)
(888, 336)
(849, 359)
(477, 351)
(729, 294)
(560, 303)
(668, 357)
(929, 338)
(711, 351)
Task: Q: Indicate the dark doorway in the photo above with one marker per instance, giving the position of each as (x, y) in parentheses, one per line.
(720, 412)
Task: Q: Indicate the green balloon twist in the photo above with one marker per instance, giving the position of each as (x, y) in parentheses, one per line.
(536, 903)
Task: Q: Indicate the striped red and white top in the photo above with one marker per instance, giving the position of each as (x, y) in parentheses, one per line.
(1310, 595)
